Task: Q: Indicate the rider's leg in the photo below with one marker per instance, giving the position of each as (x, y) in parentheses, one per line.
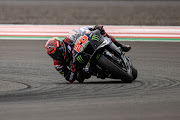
(124, 48)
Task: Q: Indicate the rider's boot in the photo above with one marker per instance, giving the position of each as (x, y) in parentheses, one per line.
(124, 48)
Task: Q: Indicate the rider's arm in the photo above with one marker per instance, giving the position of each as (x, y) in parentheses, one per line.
(69, 74)
(113, 40)
(60, 67)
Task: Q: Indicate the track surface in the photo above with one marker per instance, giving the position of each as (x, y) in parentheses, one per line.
(30, 88)
(154, 95)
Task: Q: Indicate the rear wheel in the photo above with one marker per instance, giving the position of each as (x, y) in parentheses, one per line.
(114, 69)
(134, 73)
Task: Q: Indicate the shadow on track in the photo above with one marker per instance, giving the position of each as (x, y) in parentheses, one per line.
(97, 82)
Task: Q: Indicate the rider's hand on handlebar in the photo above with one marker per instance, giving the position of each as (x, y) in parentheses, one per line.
(99, 27)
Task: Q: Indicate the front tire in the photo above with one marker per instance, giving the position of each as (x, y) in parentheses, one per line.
(81, 80)
(116, 71)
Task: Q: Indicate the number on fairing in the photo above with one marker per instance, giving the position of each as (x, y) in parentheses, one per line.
(80, 43)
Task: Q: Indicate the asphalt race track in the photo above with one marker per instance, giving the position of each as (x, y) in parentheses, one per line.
(31, 89)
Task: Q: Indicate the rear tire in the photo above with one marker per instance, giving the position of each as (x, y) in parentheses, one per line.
(134, 73)
(116, 71)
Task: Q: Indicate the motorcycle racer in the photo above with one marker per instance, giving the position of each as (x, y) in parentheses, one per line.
(61, 52)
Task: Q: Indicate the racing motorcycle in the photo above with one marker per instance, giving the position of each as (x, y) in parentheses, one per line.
(102, 58)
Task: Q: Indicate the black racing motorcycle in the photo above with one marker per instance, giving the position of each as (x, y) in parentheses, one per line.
(102, 58)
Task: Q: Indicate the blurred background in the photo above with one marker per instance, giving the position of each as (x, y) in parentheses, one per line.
(88, 12)
(44, 95)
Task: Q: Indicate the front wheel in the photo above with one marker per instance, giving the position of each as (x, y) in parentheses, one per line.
(114, 69)
(81, 81)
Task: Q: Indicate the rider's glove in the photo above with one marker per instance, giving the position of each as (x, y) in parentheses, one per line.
(99, 27)
(71, 76)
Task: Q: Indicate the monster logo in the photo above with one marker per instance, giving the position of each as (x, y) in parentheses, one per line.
(96, 37)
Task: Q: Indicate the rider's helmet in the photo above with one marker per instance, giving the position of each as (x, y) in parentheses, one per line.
(56, 48)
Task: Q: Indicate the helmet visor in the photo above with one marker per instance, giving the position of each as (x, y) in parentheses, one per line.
(59, 54)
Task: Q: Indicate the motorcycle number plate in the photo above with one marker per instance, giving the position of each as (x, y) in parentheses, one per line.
(80, 44)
